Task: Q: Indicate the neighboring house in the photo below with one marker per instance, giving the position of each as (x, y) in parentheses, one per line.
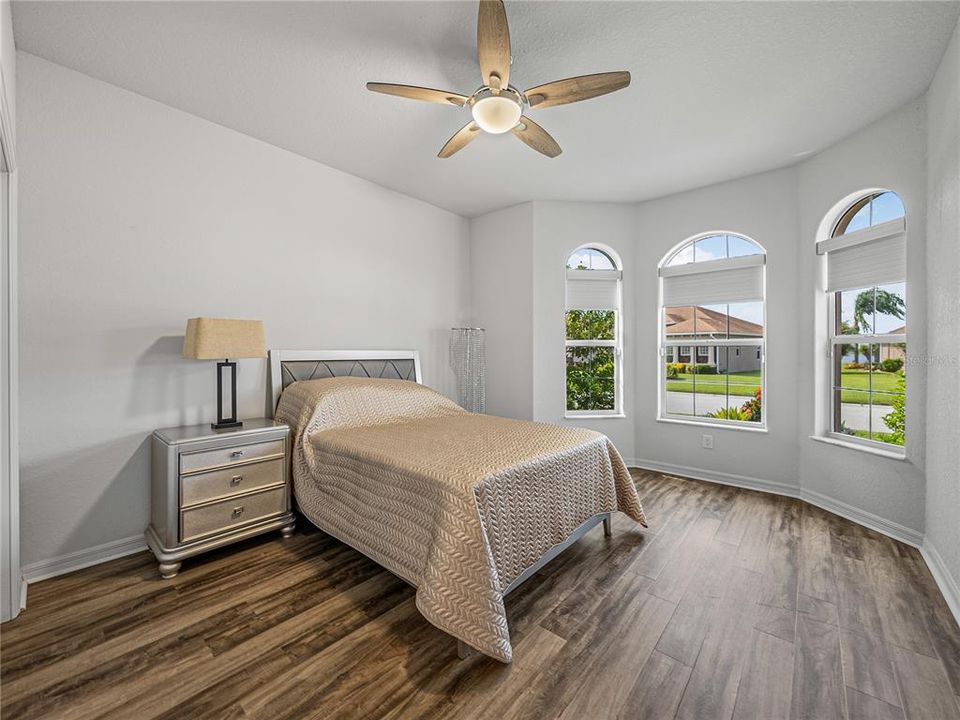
(712, 324)
(895, 352)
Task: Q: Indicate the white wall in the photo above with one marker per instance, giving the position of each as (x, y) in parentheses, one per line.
(501, 262)
(134, 217)
(943, 296)
(763, 208)
(781, 210)
(891, 154)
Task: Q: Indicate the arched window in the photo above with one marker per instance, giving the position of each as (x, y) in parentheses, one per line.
(712, 331)
(594, 355)
(866, 289)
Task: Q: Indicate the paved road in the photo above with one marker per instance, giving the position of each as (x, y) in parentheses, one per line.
(855, 416)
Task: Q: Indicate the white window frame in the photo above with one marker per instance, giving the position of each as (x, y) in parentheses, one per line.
(666, 345)
(616, 343)
(835, 339)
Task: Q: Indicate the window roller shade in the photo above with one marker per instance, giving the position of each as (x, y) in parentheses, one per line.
(873, 263)
(737, 284)
(593, 289)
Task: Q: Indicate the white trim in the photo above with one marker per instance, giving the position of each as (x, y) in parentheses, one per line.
(695, 268)
(948, 585)
(79, 559)
(593, 414)
(574, 274)
(592, 343)
(710, 342)
(873, 233)
(863, 517)
(891, 339)
(837, 507)
(12, 584)
(722, 478)
(860, 445)
(717, 423)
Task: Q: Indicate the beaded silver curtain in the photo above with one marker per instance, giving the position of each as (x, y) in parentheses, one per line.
(468, 359)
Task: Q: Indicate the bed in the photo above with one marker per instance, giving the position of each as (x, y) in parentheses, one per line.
(464, 507)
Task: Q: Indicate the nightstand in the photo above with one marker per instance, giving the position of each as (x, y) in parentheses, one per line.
(214, 487)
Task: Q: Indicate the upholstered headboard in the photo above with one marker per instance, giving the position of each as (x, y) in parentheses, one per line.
(287, 366)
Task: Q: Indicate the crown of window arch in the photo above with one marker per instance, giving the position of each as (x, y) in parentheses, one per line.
(720, 268)
(593, 280)
(868, 245)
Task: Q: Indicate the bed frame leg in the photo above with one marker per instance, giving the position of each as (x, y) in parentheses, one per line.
(607, 526)
(463, 650)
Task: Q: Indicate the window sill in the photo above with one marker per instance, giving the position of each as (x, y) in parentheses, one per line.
(593, 416)
(879, 452)
(716, 425)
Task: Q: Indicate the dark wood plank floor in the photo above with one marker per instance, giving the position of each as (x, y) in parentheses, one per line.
(733, 604)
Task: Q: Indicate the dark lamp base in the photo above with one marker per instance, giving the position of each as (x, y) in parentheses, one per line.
(226, 424)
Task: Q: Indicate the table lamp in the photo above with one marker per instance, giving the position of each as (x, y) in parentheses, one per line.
(221, 339)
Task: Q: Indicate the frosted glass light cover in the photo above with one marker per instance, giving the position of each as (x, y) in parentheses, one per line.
(496, 114)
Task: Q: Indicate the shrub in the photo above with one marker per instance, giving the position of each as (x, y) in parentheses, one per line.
(891, 364)
(728, 413)
(675, 369)
(854, 366)
(753, 409)
(896, 419)
(702, 369)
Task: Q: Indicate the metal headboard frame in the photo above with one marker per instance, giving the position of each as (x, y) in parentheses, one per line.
(287, 366)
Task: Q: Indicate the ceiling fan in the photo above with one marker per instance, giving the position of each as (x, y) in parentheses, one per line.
(497, 107)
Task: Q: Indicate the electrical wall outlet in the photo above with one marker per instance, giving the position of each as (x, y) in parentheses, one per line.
(708, 442)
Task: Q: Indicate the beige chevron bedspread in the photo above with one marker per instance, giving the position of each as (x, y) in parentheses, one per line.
(457, 504)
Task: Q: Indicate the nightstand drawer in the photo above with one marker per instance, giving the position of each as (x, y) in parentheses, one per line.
(227, 514)
(209, 459)
(217, 484)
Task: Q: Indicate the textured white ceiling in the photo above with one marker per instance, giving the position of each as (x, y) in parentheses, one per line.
(720, 90)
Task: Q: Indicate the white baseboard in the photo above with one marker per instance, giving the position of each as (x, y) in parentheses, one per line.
(34, 572)
(862, 517)
(722, 478)
(941, 574)
(837, 507)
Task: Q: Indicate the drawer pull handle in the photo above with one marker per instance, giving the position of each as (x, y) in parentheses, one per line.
(236, 480)
(236, 453)
(238, 511)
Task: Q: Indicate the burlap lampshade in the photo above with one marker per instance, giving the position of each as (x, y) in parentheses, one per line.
(218, 339)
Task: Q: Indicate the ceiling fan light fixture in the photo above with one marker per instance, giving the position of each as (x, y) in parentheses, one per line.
(496, 114)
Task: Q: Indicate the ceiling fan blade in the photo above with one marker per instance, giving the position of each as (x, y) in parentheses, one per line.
(419, 93)
(493, 44)
(536, 137)
(460, 139)
(575, 89)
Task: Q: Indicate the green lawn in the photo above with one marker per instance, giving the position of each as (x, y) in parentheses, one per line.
(878, 436)
(744, 384)
(856, 382)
